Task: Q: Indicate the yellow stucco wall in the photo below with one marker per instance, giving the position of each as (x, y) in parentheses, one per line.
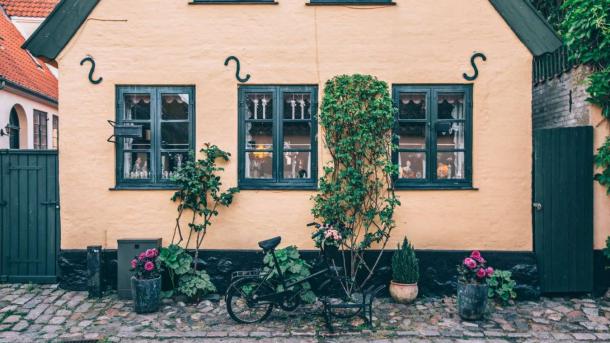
(171, 42)
(601, 200)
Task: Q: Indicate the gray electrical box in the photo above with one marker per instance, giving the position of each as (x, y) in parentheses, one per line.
(128, 249)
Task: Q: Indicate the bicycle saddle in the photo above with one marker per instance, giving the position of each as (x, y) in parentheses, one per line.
(270, 244)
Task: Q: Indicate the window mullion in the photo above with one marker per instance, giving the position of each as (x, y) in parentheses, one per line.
(278, 136)
(155, 134)
(432, 114)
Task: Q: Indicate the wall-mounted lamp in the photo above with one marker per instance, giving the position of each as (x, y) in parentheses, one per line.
(5, 131)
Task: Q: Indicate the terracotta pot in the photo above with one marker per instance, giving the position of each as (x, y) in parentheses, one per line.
(403, 293)
(472, 300)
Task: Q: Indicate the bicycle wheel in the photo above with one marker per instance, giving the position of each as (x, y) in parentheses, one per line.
(243, 304)
(343, 292)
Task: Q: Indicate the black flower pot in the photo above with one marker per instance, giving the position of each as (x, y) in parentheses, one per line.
(146, 294)
(472, 300)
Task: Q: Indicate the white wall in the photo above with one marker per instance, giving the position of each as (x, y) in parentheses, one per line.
(26, 25)
(8, 100)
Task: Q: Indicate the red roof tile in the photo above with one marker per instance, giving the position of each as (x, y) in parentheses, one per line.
(19, 67)
(28, 8)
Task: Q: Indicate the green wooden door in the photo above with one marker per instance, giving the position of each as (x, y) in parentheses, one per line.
(563, 208)
(29, 214)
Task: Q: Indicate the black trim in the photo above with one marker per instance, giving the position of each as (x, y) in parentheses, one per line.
(437, 268)
(26, 90)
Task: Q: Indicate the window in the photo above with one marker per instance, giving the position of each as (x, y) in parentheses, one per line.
(167, 116)
(277, 137)
(40, 130)
(233, 2)
(351, 2)
(14, 129)
(434, 133)
(55, 132)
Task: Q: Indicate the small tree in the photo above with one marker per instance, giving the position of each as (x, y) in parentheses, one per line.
(405, 266)
(355, 194)
(199, 197)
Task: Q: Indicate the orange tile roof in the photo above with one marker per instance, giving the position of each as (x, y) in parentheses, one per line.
(28, 8)
(19, 67)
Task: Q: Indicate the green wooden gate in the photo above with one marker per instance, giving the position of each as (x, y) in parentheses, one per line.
(29, 216)
(563, 208)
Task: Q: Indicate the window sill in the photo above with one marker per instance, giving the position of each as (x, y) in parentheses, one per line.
(216, 2)
(279, 187)
(435, 188)
(351, 3)
(144, 188)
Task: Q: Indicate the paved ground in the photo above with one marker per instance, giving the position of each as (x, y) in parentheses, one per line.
(45, 313)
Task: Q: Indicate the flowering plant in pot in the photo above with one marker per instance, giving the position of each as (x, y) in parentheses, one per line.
(146, 281)
(405, 273)
(472, 286)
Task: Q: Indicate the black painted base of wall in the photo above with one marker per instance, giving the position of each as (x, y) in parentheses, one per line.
(438, 274)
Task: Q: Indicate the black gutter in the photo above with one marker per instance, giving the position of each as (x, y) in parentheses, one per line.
(4, 82)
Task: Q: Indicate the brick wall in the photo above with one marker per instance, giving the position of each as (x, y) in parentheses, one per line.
(561, 101)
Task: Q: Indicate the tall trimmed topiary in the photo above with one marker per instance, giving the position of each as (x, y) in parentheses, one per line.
(405, 266)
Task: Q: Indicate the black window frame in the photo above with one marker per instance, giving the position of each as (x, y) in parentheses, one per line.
(431, 121)
(155, 92)
(351, 2)
(40, 139)
(277, 181)
(233, 2)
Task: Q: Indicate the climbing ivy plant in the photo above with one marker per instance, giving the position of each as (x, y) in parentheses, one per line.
(355, 193)
(586, 29)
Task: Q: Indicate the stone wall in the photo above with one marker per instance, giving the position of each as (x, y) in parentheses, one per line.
(561, 101)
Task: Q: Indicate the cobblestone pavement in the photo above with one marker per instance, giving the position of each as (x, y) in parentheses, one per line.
(30, 313)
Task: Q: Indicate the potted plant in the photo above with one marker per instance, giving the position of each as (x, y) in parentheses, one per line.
(405, 273)
(146, 281)
(328, 239)
(472, 286)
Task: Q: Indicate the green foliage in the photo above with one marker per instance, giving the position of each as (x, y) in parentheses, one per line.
(501, 286)
(551, 10)
(586, 28)
(196, 284)
(293, 268)
(199, 196)
(355, 193)
(176, 261)
(599, 90)
(405, 265)
(602, 161)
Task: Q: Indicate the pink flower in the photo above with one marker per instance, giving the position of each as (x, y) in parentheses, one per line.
(332, 233)
(476, 255)
(148, 266)
(134, 263)
(150, 253)
(470, 263)
(142, 256)
(481, 273)
(489, 271)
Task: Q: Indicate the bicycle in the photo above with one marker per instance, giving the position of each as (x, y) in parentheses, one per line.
(253, 294)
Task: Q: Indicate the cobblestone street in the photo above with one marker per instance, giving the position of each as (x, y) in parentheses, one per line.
(31, 313)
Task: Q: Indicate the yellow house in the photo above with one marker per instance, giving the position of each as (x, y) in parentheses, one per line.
(460, 73)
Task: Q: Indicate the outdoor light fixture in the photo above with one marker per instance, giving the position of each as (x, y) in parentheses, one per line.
(5, 131)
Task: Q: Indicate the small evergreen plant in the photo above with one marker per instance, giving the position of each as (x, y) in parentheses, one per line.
(405, 266)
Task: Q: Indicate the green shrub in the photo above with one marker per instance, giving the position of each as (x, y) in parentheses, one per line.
(501, 286)
(293, 268)
(195, 284)
(405, 266)
(177, 262)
